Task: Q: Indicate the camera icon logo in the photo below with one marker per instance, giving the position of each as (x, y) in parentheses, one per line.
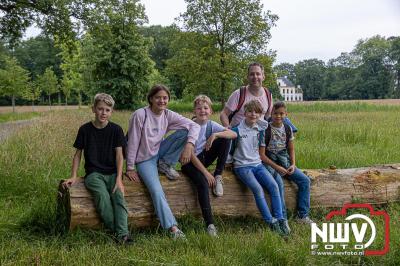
(353, 236)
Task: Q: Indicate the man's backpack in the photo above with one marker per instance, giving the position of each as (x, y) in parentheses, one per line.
(242, 97)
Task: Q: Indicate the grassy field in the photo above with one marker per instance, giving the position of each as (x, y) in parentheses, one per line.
(34, 160)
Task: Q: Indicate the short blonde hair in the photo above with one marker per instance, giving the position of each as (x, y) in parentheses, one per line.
(202, 99)
(104, 97)
(253, 105)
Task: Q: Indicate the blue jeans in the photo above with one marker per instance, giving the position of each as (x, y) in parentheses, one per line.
(169, 152)
(257, 177)
(303, 194)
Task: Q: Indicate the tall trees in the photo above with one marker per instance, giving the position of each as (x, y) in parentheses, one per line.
(116, 54)
(48, 83)
(235, 28)
(310, 75)
(14, 80)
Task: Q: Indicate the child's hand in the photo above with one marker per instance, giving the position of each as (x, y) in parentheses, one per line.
(119, 185)
(282, 171)
(70, 182)
(291, 169)
(186, 153)
(210, 179)
(210, 141)
(132, 175)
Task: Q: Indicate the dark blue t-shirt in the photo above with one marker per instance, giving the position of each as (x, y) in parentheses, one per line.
(99, 145)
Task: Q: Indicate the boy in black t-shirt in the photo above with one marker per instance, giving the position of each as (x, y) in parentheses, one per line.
(102, 142)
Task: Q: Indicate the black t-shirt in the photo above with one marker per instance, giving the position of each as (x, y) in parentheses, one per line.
(99, 145)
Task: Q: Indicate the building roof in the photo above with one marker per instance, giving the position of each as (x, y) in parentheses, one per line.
(286, 81)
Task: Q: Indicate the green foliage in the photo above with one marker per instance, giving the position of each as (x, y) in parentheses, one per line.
(116, 54)
(234, 29)
(286, 69)
(38, 53)
(14, 80)
(310, 75)
(48, 82)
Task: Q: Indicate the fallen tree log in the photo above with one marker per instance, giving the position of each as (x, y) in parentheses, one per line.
(329, 188)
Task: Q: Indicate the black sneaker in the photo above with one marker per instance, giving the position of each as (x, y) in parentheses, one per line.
(283, 224)
(125, 240)
(274, 226)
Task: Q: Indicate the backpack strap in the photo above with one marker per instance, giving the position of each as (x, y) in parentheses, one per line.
(242, 97)
(268, 94)
(234, 141)
(267, 136)
(260, 137)
(208, 129)
(288, 133)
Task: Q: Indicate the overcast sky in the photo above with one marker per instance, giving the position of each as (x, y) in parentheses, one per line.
(309, 28)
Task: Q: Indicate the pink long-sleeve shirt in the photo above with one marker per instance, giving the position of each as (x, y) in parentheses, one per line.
(144, 137)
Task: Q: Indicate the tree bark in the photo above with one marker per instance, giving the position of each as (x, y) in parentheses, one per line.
(329, 188)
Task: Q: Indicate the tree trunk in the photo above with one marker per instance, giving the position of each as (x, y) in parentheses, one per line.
(59, 98)
(49, 102)
(223, 80)
(329, 188)
(13, 102)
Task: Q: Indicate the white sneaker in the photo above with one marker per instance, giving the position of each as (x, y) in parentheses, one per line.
(212, 231)
(178, 235)
(304, 220)
(218, 189)
(168, 170)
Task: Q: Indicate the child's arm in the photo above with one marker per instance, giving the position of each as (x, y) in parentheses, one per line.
(282, 171)
(292, 157)
(197, 163)
(74, 169)
(226, 134)
(120, 161)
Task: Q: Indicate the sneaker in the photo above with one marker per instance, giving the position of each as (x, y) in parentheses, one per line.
(178, 234)
(218, 189)
(211, 230)
(125, 240)
(284, 225)
(274, 226)
(304, 220)
(168, 170)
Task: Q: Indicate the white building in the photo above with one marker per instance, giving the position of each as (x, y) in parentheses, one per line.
(288, 91)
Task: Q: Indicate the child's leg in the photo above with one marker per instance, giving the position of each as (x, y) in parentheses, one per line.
(95, 183)
(148, 173)
(246, 175)
(267, 181)
(119, 205)
(303, 194)
(219, 150)
(202, 191)
(281, 186)
(172, 146)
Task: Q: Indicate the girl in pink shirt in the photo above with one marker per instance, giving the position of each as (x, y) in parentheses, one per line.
(148, 152)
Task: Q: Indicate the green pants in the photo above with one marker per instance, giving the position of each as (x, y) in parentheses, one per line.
(110, 206)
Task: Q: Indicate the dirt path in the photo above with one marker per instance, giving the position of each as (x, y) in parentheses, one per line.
(8, 128)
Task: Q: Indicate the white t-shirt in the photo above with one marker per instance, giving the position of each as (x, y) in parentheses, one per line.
(247, 146)
(201, 141)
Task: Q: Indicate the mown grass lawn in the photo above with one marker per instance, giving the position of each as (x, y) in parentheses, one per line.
(34, 160)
